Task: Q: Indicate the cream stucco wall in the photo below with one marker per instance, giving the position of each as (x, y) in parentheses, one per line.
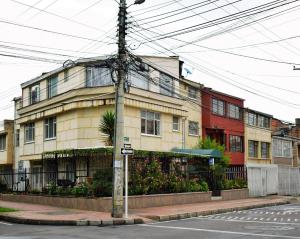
(6, 155)
(259, 135)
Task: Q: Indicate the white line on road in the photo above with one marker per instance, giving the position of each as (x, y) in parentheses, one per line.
(5, 223)
(219, 231)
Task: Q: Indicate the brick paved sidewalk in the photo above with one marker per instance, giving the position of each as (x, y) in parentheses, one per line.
(40, 214)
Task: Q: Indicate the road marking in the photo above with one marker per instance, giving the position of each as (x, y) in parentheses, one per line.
(245, 221)
(219, 231)
(5, 223)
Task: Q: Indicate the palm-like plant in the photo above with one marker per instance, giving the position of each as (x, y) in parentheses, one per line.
(107, 126)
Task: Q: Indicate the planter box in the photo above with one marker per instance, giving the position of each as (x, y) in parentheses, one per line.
(235, 194)
(105, 204)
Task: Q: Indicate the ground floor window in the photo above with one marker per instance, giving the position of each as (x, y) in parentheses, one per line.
(150, 123)
(193, 128)
(3, 142)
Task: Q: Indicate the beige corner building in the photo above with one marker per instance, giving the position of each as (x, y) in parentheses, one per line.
(258, 138)
(6, 146)
(62, 109)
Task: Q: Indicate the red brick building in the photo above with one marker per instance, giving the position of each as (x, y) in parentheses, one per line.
(222, 120)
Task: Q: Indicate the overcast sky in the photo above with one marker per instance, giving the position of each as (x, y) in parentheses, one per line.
(251, 57)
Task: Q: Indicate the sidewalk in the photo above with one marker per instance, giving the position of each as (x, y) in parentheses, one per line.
(47, 215)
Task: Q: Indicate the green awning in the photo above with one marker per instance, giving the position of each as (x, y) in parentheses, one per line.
(204, 153)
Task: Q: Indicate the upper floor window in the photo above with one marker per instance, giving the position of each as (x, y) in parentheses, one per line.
(193, 128)
(3, 142)
(34, 94)
(176, 123)
(236, 143)
(50, 128)
(234, 111)
(98, 76)
(282, 148)
(218, 107)
(138, 78)
(52, 86)
(192, 93)
(17, 138)
(150, 123)
(252, 149)
(29, 132)
(166, 84)
(263, 122)
(251, 119)
(265, 150)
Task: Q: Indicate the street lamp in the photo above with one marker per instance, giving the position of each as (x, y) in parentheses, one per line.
(139, 1)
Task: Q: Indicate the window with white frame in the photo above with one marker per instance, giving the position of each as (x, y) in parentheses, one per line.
(166, 84)
(265, 150)
(98, 76)
(252, 149)
(218, 107)
(34, 94)
(52, 86)
(176, 123)
(192, 92)
(282, 148)
(50, 128)
(236, 143)
(252, 119)
(29, 132)
(2, 142)
(150, 123)
(193, 128)
(234, 111)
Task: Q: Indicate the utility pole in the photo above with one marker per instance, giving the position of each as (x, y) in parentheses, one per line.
(118, 168)
(118, 172)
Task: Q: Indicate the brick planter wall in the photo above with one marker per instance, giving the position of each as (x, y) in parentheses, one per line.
(235, 194)
(105, 204)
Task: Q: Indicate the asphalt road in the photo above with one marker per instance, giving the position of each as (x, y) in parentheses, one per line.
(270, 222)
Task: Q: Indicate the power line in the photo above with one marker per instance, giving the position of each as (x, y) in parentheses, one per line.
(50, 31)
(41, 10)
(87, 8)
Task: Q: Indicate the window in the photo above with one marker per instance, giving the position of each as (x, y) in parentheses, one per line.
(193, 128)
(17, 138)
(265, 150)
(150, 123)
(263, 122)
(282, 148)
(34, 94)
(50, 128)
(52, 87)
(234, 111)
(98, 76)
(236, 143)
(252, 149)
(192, 93)
(176, 123)
(29, 132)
(3, 142)
(218, 107)
(138, 79)
(166, 84)
(252, 119)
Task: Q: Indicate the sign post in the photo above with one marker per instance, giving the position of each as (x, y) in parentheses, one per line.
(127, 150)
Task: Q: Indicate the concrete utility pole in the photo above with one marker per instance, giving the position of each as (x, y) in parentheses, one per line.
(118, 173)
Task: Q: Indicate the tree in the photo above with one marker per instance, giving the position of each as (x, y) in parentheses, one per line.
(107, 126)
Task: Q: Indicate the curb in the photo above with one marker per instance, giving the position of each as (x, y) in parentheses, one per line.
(100, 223)
(210, 212)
